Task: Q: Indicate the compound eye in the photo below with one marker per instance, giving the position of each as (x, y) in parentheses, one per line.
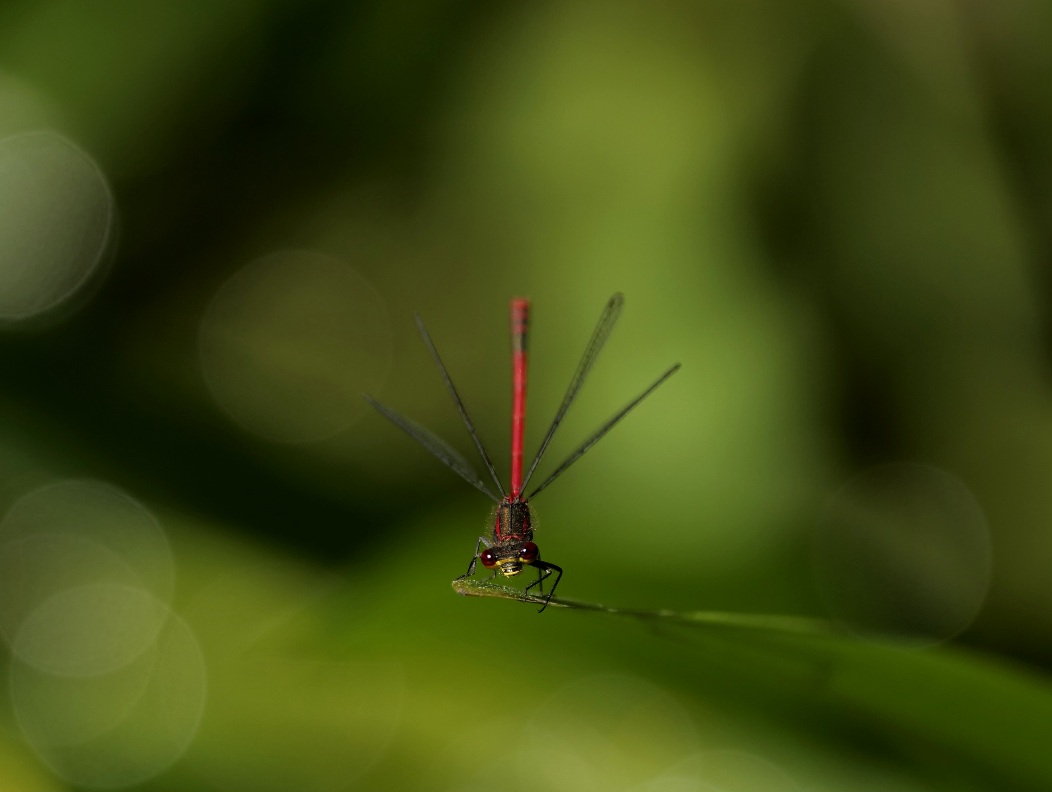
(528, 553)
(488, 559)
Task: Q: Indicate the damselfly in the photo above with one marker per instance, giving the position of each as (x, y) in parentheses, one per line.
(510, 547)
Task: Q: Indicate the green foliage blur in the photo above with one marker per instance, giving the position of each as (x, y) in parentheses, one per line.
(835, 214)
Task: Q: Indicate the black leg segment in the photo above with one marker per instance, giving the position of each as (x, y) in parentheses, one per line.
(545, 571)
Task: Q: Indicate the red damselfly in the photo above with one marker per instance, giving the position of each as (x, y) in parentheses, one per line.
(510, 547)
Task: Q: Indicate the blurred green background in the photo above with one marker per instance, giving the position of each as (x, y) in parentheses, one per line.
(220, 570)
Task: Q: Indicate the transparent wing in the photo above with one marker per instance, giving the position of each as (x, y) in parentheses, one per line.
(460, 406)
(591, 441)
(607, 320)
(436, 445)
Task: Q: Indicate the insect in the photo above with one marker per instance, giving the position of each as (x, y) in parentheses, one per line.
(510, 547)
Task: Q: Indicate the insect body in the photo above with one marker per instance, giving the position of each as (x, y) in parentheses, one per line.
(511, 546)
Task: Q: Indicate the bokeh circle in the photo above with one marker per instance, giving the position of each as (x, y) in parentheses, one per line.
(289, 343)
(56, 222)
(903, 553)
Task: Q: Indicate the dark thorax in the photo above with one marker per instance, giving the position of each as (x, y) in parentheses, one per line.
(513, 545)
(513, 521)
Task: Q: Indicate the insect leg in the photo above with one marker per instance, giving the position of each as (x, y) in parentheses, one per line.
(546, 571)
(482, 542)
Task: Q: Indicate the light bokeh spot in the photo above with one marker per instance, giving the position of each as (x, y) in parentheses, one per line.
(107, 685)
(120, 728)
(290, 342)
(56, 222)
(90, 630)
(903, 552)
(71, 534)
